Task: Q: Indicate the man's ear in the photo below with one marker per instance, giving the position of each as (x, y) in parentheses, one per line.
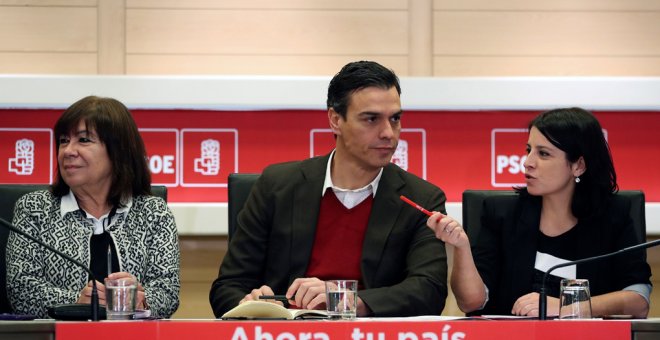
(334, 118)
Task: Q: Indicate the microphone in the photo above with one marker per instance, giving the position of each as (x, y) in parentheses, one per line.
(543, 301)
(95, 294)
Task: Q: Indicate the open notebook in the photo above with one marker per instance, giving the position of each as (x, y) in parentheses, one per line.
(269, 310)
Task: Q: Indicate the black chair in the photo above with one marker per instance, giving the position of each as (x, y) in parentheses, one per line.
(238, 190)
(9, 194)
(159, 191)
(473, 203)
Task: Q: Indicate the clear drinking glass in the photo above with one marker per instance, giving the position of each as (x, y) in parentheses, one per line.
(341, 299)
(120, 298)
(574, 299)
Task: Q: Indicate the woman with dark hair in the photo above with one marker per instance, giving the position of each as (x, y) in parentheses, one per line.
(568, 211)
(100, 204)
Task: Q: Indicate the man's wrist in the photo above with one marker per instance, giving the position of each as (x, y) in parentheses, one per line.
(362, 309)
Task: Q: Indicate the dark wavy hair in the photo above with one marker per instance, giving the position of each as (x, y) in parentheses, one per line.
(117, 130)
(578, 133)
(356, 76)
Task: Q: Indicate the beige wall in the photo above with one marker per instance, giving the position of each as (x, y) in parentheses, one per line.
(316, 37)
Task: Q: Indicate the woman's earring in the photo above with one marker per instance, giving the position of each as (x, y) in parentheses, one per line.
(577, 179)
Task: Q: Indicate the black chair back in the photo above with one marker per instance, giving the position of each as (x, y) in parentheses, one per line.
(9, 194)
(238, 190)
(159, 191)
(473, 204)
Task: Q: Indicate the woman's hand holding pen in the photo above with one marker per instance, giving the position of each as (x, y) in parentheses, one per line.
(468, 286)
(86, 293)
(444, 227)
(448, 230)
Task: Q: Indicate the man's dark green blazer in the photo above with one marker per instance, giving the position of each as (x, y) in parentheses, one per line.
(404, 266)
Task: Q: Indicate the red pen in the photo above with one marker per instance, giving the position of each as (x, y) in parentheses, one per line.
(416, 206)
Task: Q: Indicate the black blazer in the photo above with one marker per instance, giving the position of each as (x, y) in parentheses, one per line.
(505, 250)
(404, 267)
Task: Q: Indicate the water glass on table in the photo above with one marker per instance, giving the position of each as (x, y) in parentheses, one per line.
(574, 299)
(120, 298)
(341, 299)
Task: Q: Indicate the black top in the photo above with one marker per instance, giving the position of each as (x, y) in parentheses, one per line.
(99, 251)
(99, 245)
(562, 246)
(505, 249)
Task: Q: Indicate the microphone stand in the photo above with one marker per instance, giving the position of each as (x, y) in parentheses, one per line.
(543, 300)
(95, 295)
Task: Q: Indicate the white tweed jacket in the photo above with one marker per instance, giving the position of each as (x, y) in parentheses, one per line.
(146, 240)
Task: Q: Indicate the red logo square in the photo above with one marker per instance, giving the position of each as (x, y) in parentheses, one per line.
(27, 156)
(507, 157)
(208, 156)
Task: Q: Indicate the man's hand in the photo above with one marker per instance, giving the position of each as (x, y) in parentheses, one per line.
(307, 293)
(256, 293)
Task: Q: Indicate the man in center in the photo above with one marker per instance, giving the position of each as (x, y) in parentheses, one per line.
(339, 216)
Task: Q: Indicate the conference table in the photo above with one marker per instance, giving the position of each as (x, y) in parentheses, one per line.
(370, 329)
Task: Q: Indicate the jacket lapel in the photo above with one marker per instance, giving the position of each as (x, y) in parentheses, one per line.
(382, 219)
(525, 245)
(306, 202)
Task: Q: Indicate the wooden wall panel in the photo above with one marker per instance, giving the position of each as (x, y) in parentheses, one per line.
(555, 5)
(546, 38)
(241, 32)
(313, 37)
(463, 66)
(263, 4)
(48, 29)
(420, 38)
(44, 3)
(546, 34)
(112, 37)
(251, 65)
(48, 63)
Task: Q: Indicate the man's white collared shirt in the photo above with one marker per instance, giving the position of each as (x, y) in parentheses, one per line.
(349, 198)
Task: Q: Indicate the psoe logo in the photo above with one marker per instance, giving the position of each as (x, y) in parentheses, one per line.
(23, 163)
(209, 163)
(508, 157)
(208, 156)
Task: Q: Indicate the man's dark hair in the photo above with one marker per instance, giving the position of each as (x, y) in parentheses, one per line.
(356, 76)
